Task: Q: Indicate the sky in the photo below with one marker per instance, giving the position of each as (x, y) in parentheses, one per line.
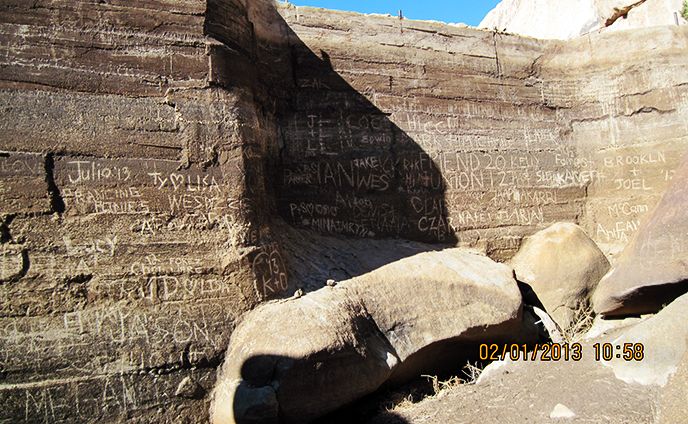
(456, 11)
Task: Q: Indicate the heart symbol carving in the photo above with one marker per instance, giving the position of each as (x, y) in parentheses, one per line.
(177, 180)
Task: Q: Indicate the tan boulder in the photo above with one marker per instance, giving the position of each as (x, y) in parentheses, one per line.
(673, 404)
(664, 340)
(563, 266)
(653, 269)
(302, 358)
(452, 296)
(565, 19)
(605, 329)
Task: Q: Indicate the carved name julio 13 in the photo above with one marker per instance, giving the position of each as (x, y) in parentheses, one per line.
(90, 171)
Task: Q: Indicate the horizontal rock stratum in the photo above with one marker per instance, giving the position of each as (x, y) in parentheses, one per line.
(152, 151)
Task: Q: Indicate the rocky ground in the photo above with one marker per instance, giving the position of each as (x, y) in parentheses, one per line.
(529, 392)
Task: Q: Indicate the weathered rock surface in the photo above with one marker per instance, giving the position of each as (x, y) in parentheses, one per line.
(664, 338)
(608, 329)
(632, 14)
(563, 266)
(330, 347)
(558, 19)
(653, 269)
(471, 176)
(630, 175)
(564, 19)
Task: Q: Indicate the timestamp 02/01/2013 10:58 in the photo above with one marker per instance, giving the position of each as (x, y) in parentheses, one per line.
(560, 352)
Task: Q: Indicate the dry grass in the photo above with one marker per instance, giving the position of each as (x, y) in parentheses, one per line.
(584, 318)
(472, 371)
(404, 399)
(398, 401)
(438, 386)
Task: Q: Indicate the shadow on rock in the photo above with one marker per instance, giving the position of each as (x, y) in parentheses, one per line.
(347, 169)
(363, 190)
(258, 396)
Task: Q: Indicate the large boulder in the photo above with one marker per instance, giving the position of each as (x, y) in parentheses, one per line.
(653, 269)
(558, 19)
(673, 404)
(664, 339)
(565, 19)
(563, 266)
(302, 358)
(452, 296)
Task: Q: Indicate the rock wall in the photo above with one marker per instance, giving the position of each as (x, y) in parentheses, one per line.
(624, 99)
(134, 204)
(443, 134)
(417, 130)
(149, 152)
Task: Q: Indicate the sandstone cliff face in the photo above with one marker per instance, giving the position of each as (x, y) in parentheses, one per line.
(564, 19)
(423, 131)
(133, 204)
(150, 150)
(626, 114)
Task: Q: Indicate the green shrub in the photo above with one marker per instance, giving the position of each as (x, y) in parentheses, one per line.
(684, 12)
